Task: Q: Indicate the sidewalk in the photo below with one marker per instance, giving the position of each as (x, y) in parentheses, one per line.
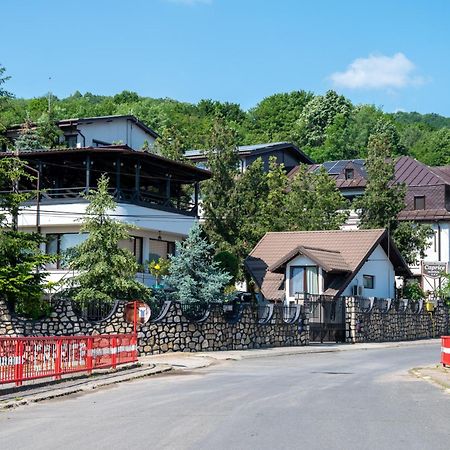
(169, 362)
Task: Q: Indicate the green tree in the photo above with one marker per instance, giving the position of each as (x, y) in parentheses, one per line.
(217, 192)
(229, 263)
(28, 138)
(387, 131)
(314, 202)
(383, 200)
(251, 191)
(106, 272)
(272, 215)
(4, 97)
(318, 115)
(49, 134)
(194, 274)
(171, 144)
(412, 239)
(434, 148)
(274, 117)
(22, 278)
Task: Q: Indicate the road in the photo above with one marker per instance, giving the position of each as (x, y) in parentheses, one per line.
(348, 400)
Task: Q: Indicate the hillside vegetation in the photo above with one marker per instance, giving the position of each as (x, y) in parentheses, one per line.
(326, 127)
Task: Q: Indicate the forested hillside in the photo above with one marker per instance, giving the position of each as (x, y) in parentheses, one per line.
(326, 127)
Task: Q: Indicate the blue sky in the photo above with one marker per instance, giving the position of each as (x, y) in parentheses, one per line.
(394, 54)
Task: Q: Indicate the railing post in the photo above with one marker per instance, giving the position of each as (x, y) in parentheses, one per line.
(58, 360)
(89, 355)
(18, 370)
(114, 352)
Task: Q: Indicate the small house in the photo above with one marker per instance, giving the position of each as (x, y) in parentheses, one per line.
(286, 265)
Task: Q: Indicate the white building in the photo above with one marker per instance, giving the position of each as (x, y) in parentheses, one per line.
(100, 132)
(156, 195)
(285, 265)
(427, 202)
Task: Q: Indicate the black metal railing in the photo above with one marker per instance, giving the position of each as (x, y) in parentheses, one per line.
(194, 311)
(94, 310)
(124, 195)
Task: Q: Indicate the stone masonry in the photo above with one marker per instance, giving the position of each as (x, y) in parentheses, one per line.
(403, 321)
(171, 331)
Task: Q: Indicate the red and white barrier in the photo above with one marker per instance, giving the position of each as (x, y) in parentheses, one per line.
(445, 351)
(23, 359)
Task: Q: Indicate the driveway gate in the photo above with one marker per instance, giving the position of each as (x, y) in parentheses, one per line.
(326, 318)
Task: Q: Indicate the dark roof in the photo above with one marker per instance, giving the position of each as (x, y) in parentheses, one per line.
(337, 250)
(257, 149)
(442, 172)
(197, 173)
(70, 122)
(73, 122)
(424, 214)
(407, 170)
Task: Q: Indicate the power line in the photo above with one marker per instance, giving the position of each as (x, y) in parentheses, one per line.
(172, 216)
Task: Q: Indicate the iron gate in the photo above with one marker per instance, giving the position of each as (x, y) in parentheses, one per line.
(326, 318)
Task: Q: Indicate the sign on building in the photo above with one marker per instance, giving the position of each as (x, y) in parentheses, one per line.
(433, 269)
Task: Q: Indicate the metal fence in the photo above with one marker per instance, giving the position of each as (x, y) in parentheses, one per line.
(23, 359)
(94, 310)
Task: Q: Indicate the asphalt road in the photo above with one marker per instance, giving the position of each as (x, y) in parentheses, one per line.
(350, 400)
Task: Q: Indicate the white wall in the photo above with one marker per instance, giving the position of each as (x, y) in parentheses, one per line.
(69, 214)
(114, 130)
(382, 269)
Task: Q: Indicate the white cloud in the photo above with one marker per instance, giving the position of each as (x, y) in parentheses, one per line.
(191, 2)
(378, 72)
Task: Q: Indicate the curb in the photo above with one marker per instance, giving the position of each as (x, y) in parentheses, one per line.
(430, 379)
(84, 386)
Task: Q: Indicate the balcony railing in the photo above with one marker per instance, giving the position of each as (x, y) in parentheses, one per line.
(121, 195)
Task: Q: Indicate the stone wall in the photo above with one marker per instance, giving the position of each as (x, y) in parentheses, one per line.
(172, 331)
(63, 321)
(382, 321)
(175, 333)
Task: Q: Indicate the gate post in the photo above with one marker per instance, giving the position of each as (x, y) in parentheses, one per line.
(350, 319)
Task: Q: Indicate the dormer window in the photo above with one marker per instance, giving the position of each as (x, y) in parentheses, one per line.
(349, 174)
(303, 279)
(419, 202)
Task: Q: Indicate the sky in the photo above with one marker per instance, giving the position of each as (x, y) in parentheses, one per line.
(393, 54)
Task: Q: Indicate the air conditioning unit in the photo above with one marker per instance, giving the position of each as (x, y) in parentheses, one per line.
(357, 290)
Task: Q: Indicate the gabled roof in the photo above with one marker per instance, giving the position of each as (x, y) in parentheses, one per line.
(407, 170)
(75, 121)
(329, 260)
(135, 120)
(338, 251)
(257, 149)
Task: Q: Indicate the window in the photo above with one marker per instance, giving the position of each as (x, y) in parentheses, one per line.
(71, 140)
(135, 245)
(349, 174)
(303, 279)
(368, 281)
(419, 202)
(59, 243)
(160, 249)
